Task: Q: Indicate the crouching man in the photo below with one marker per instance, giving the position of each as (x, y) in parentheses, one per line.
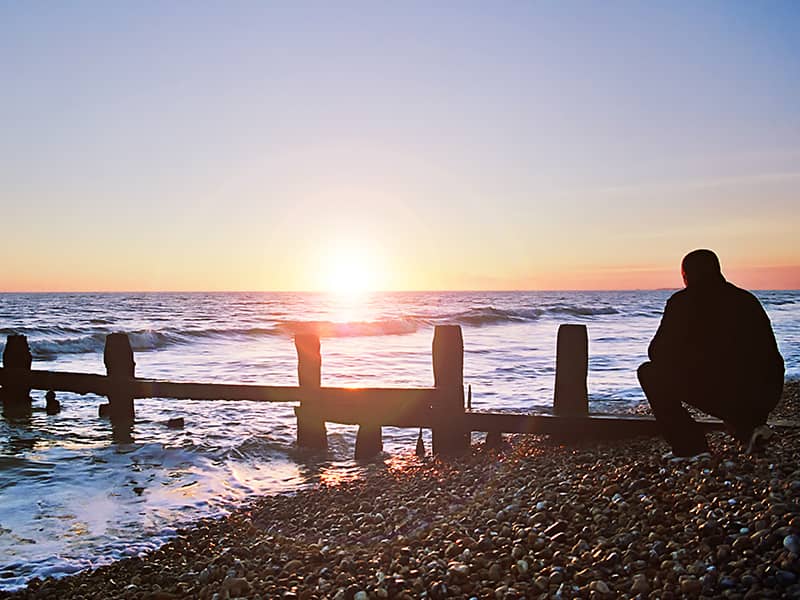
(714, 350)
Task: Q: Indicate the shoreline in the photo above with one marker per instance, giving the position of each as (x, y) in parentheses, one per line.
(600, 520)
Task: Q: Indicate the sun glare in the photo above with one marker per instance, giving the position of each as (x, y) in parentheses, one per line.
(350, 273)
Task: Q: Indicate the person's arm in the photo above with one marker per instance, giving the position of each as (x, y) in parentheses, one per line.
(665, 345)
(762, 341)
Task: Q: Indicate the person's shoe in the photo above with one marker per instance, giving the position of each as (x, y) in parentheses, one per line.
(694, 459)
(759, 439)
(688, 454)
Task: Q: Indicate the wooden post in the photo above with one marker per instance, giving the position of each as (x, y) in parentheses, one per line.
(369, 441)
(449, 437)
(16, 355)
(310, 427)
(572, 366)
(120, 366)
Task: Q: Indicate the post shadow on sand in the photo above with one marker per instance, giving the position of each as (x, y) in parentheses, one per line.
(714, 350)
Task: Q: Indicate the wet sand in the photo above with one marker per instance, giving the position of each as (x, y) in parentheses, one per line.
(534, 520)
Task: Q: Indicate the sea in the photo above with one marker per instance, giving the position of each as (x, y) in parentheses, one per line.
(74, 494)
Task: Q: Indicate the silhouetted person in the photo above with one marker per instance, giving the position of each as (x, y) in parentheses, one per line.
(714, 350)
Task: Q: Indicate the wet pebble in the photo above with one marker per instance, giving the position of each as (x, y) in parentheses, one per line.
(640, 585)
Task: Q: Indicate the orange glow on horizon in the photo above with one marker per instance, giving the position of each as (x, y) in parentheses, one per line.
(350, 272)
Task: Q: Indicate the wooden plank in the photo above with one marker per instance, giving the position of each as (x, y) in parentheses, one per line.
(592, 426)
(375, 406)
(369, 396)
(448, 435)
(311, 431)
(143, 388)
(120, 367)
(571, 397)
(85, 383)
(393, 407)
(17, 356)
(78, 383)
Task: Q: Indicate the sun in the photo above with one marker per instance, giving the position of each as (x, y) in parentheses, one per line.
(350, 271)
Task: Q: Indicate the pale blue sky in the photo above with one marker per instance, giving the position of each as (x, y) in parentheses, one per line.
(150, 145)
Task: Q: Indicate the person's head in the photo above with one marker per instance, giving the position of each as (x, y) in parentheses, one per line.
(701, 267)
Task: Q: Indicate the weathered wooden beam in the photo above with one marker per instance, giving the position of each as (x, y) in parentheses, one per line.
(143, 388)
(598, 426)
(310, 430)
(78, 383)
(120, 368)
(86, 383)
(572, 366)
(369, 441)
(389, 407)
(16, 394)
(375, 407)
(449, 437)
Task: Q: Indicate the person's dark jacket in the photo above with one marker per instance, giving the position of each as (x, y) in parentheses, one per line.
(718, 330)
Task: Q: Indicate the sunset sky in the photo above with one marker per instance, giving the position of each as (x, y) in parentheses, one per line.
(405, 145)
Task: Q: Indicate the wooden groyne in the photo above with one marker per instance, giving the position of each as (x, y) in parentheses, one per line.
(440, 408)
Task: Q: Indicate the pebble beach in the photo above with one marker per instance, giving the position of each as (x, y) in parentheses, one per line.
(535, 519)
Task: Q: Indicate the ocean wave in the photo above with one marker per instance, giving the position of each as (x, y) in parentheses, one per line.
(333, 329)
(259, 448)
(95, 343)
(224, 332)
(778, 302)
(49, 331)
(489, 315)
(52, 343)
(583, 311)
(76, 345)
(48, 342)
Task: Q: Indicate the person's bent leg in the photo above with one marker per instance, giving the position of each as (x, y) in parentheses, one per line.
(761, 399)
(677, 426)
(754, 401)
(743, 405)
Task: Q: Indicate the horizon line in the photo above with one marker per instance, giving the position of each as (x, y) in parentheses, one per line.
(366, 293)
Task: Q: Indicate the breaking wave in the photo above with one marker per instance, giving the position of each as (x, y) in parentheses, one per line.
(141, 341)
(328, 329)
(47, 342)
(583, 311)
(488, 315)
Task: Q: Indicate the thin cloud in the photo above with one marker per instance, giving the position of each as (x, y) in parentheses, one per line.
(700, 184)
